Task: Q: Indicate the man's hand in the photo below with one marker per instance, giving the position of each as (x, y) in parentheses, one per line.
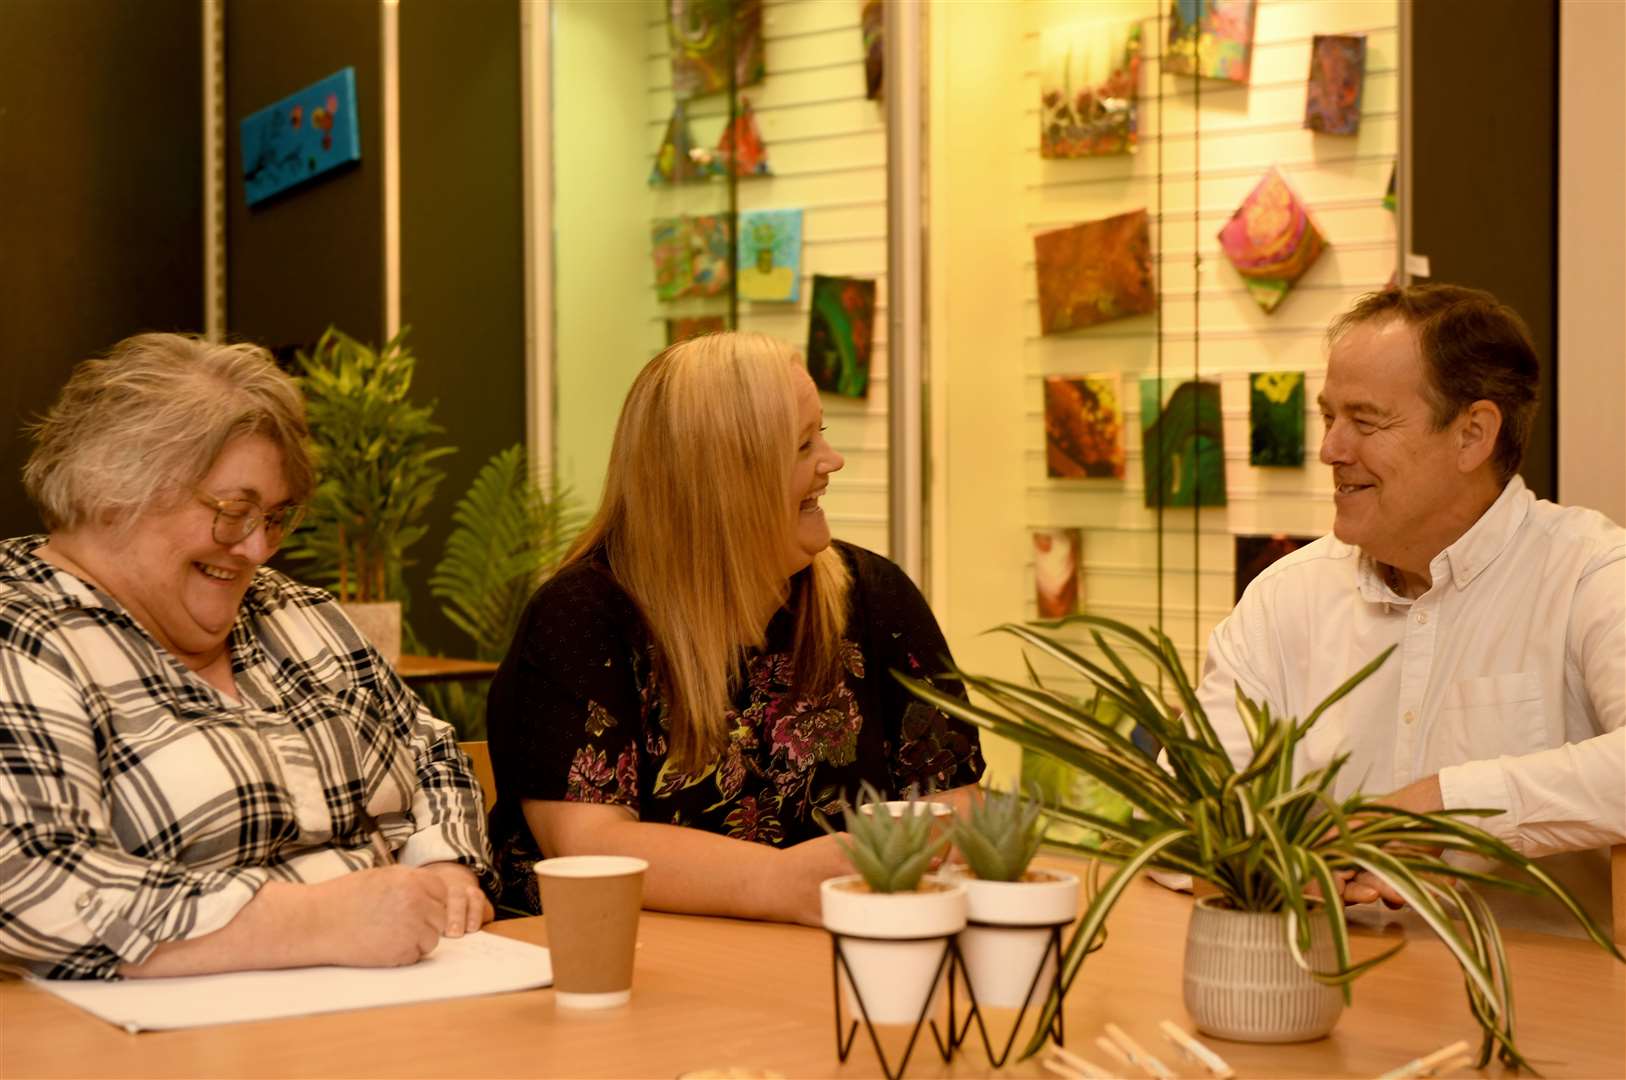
(467, 908)
(1360, 887)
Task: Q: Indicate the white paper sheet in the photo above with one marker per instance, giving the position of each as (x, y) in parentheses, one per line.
(475, 964)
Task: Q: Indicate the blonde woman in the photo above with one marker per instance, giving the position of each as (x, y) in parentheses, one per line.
(707, 669)
(205, 768)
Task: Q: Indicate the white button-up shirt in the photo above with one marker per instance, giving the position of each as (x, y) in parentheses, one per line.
(1508, 678)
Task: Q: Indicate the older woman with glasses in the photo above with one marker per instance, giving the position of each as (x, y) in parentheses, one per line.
(203, 765)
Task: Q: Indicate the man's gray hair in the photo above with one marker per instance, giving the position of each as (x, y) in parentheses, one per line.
(136, 429)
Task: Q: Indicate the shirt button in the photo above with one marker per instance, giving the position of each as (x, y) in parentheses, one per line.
(1409, 717)
(1422, 618)
(83, 902)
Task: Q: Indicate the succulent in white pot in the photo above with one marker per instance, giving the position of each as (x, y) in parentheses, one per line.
(1012, 908)
(892, 919)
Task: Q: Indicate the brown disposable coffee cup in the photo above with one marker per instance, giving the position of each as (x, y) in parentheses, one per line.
(591, 903)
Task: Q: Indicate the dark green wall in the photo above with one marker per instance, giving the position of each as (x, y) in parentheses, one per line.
(312, 255)
(101, 195)
(1485, 172)
(462, 252)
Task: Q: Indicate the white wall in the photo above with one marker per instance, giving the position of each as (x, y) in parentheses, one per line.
(1592, 256)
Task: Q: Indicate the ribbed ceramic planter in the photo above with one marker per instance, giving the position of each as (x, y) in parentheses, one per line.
(894, 943)
(1242, 983)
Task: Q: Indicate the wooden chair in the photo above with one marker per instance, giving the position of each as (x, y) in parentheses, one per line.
(1617, 890)
(480, 758)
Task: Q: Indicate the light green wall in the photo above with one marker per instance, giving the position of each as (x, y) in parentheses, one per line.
(603, 302)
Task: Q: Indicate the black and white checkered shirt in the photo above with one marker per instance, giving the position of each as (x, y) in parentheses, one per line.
(139, 805)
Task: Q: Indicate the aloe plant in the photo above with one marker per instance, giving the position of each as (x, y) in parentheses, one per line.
(1261, 837)
(1000, 834)
(891, 853)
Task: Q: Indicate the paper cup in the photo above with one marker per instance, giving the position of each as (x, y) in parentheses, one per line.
(942, 814)
(591, 903)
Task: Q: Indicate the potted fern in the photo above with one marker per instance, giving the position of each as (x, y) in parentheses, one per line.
(1259, 836)
(892, 920)
(1011, 908)
(378, 476)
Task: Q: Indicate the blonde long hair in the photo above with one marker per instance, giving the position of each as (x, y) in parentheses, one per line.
(694, 523)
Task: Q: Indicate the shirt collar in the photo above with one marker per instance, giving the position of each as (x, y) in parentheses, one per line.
(1464, 560)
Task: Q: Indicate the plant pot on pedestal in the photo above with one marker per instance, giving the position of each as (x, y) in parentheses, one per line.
(894, 945)
(1010, 927)
(380, 623)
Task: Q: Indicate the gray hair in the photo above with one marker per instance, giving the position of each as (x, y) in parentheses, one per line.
(137, 428)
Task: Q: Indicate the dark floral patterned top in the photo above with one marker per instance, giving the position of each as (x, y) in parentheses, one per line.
(574, 715)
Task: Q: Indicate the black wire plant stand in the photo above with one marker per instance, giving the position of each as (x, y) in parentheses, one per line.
(959, 1033)
(952, 967)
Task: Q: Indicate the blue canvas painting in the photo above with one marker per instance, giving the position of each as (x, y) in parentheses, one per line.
(301, 137)
(770, 255)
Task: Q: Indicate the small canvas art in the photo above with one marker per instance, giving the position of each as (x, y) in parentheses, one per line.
(1271, 240)
(841, 331)
(308, 133)
(705, 34)
(872, 18)
(692, 256)
(1055, 571)
(1088, 79)
(1337, 71)
(741, 147)
(1276, 418)
(1094, 272)
(1182, 443)
(676, 161)
(683, 329)
(1210, 38)
(770, 258)
(1254, 553)
(1083, 426)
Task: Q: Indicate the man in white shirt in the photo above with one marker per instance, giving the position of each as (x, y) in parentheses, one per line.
(1507, 689)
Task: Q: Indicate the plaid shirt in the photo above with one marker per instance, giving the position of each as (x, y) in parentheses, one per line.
(140, 805)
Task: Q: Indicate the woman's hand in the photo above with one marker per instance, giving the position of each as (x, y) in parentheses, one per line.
(389, 916)
(467, 908)
(807, 865)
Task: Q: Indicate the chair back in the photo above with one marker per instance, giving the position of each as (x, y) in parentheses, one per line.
(480, 758)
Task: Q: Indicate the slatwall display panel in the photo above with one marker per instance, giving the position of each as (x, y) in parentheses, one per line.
(1203, 147)
(826, 147)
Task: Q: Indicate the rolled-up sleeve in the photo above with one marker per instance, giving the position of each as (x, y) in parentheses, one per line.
(73, 902)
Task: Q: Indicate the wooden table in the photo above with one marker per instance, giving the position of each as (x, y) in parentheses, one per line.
(428, 669)
(716, 993)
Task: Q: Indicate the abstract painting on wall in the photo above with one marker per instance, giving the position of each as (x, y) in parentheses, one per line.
(692, 256)
(675, 161)
(770, 258)
(1182, 443)
(1254, 553)
(1276, 418)
(1088, 79)
(306, 134)
(683, 329)
(872, 18)
(704, 34)
(840, 333)
(1271, 240)
(1055, 571)
(1083, 426)
(1337, 71)
(1094, 272)
(741, 147)
(1211, 38)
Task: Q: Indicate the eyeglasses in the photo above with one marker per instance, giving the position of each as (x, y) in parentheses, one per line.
(236, 520)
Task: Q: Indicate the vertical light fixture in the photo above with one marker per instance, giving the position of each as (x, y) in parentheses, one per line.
(214, 169)
(390, 155)
(905, 281)
(536, 118)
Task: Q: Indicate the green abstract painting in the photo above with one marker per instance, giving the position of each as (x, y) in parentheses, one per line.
(1182, 443)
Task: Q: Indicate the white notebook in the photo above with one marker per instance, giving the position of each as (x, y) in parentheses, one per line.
(468, 966)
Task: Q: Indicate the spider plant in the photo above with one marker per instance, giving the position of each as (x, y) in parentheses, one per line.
(1261, 836)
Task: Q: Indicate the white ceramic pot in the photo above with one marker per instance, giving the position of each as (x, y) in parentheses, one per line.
(1242, 983)
(895, 977)
(1002, 956)
(380, 624)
